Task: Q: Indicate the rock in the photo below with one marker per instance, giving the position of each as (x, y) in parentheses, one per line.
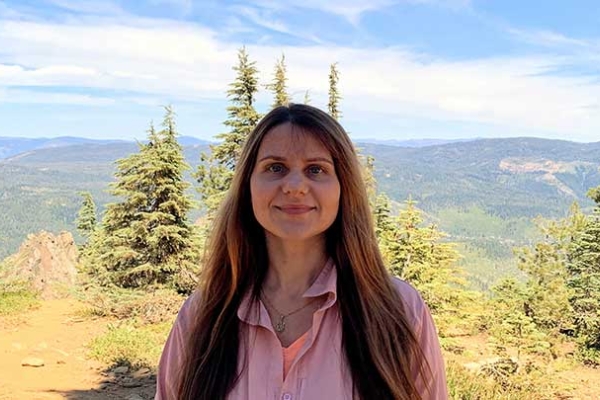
(134, 397)
(46, 261)
(121, 370)
(130, 384)
(32, 362)
(141, 373)
(61, 362)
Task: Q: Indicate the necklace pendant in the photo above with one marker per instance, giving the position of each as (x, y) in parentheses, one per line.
(280, 326)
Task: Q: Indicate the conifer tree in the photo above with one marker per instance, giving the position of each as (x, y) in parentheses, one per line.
(146, 238)
(416, 253)
(369, 178)
(545, 264)
(334, 96)
(531, 314)
(307, 99)
(584, 282)
(279, 84)
(216, 171)
(86, 217)
(511, 324)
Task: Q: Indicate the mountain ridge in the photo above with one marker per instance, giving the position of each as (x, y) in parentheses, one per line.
(11, 146)
(460, 185)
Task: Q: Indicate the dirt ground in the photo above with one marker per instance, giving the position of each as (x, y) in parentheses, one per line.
(55, 334)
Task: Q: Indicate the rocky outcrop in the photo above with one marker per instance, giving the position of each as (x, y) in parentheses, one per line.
(46, 261)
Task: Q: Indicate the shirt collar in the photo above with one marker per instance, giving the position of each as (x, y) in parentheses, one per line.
(326, 283)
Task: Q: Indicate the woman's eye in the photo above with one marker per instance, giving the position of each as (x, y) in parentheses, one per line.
(315, 170)
(275, 168)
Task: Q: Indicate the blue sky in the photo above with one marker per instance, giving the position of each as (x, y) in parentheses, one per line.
(409, 68)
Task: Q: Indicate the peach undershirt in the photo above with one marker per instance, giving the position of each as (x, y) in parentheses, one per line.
(290, 353)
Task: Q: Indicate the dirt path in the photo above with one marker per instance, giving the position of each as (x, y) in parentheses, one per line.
(56, 335)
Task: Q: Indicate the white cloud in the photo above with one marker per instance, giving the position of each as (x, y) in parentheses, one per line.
(87, 6)
(161, 62)
(548, 38)
(352, 10)
(36, 97)
(7, 12)
(262, 18)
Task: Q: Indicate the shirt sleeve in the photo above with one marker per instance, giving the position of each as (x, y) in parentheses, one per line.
(172, 355)
(434, 387)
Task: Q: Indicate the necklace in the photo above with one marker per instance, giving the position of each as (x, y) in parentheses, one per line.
(280, 325)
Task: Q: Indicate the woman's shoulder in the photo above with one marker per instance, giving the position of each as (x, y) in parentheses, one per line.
(188, 310)
(413, 302)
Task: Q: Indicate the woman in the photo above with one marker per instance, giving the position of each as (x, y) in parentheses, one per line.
(295, 301)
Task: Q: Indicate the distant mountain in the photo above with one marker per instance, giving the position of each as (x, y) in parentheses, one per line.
(10, 146)
(412, 142)
(192, 141)
(482, 192)
(516, 177)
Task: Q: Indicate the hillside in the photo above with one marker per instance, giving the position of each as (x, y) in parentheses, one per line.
(521, 177)
(482, 192)
(10, 146)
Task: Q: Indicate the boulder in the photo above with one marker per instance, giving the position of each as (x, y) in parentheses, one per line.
(32, 362)
(45, 261)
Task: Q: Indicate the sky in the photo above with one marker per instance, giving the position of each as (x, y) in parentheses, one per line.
(409, 69)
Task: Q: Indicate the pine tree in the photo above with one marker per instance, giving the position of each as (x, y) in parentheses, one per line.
(416, 253)
(334, 96)
(369, 179)
(307, 98)
(545, 265)
(216, 171)
(584, 282)
(146, 238)
(86, 217)
(279, 84)
(511, 325)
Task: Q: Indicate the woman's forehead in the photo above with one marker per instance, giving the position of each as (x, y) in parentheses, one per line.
(289, 139)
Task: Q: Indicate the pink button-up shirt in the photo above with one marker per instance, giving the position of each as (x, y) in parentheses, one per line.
(319, 370)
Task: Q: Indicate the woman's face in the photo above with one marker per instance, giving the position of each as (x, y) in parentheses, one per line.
(294, 188)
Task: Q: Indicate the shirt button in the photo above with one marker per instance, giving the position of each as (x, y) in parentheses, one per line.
(287, 396)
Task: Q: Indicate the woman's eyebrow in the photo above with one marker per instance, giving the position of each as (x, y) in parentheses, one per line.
(312, 159)
(269, 157)
(322, 159)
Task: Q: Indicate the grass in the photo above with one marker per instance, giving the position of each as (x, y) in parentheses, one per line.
(131, 345)
(16, 299)
(141, 323)
(523, 385)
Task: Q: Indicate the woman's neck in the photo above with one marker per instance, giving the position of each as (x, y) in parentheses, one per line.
(293, 267)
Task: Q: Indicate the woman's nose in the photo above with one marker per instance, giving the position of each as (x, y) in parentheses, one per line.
(295, 183)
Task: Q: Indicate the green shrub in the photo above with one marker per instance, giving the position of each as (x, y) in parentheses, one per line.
(126, 344)
(17, 297)
(142, 306)
(502, 380)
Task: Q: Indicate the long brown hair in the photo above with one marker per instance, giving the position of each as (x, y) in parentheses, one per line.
(379, 344)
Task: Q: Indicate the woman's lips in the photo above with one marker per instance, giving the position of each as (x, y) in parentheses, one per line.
(295, 209)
